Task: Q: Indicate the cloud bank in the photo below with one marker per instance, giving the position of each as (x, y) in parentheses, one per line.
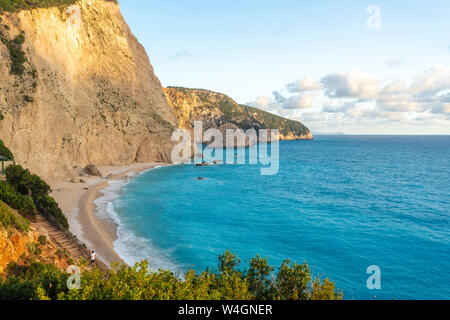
(359, 98)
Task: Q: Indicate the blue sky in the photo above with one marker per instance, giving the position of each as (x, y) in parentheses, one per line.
(314, 61)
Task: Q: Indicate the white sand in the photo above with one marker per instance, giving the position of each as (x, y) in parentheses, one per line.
(77, 203)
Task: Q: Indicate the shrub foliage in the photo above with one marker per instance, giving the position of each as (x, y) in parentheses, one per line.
(22, 203)
(27, 184)
(4, 151)
(228, 282)
(9, 219)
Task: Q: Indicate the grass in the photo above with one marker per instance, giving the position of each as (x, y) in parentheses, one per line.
(8, 219)
(16, 5)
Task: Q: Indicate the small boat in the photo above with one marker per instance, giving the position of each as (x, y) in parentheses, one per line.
(204, 164)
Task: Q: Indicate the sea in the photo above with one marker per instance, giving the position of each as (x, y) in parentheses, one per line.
(370, 213)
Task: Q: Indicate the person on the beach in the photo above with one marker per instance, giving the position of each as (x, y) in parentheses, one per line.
(92, 257)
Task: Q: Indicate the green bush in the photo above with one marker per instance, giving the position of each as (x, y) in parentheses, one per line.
(229, 282)
(26, 183)
(9, 219)
(14, 289)
(34, 282)
(41, 281)
(14, 5)
(47, 206)
(4, 151)
(16, 53)
(23, 204)
(42, 240)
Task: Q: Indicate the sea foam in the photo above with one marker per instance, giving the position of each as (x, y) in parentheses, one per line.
(130, 247)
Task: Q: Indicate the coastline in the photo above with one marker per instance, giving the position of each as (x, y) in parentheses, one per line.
(77, 201)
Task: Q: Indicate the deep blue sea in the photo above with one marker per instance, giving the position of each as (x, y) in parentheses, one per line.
(340, 203)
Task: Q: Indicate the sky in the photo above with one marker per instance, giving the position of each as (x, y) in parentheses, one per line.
(348, 66)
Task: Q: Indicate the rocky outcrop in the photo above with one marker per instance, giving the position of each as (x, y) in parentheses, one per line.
(92, 170)
(87, 92)
(20, 242)
(13, 246)
(219, 111)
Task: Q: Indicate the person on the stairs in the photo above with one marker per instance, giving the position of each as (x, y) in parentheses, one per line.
(92, 257)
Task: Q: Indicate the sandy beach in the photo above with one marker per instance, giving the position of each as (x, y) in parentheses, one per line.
(77, 202)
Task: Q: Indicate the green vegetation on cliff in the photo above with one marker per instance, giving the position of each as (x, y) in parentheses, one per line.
(229, 282)
(5, 152)
(10, 219)
(15, 5)
(16, 53)
(22, 203)
(27, 192)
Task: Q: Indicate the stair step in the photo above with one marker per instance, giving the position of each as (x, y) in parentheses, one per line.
(59, 237)
(45, 225)
(59, 234)
(72, 249)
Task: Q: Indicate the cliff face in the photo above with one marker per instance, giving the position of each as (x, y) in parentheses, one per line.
(219, 111)
(84, 91)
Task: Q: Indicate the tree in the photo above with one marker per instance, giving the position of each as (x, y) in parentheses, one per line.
(4, 151)
(26, 183)
(292, 281)
(228, 262)
(259, 278)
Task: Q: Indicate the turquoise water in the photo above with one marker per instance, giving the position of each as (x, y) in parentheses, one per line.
(341, 203)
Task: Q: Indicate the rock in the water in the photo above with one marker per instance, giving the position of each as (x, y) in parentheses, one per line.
(92, 170)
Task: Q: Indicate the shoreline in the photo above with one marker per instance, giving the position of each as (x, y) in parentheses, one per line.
(77, 201)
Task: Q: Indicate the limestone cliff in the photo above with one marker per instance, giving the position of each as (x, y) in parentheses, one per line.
(76, 87)
(219, 111)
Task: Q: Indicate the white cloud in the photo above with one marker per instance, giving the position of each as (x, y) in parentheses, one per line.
(427, 92)
(302, 101)
(262, 102)
(285, 105)
(338, 108)
(185, 53)
(303, 85)
(350, 85)
(431, 82)
(441, 108)
(396, 62)
(394, 87)
(361, 102)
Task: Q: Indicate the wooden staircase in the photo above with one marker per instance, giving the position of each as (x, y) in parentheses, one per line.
(59, 237)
